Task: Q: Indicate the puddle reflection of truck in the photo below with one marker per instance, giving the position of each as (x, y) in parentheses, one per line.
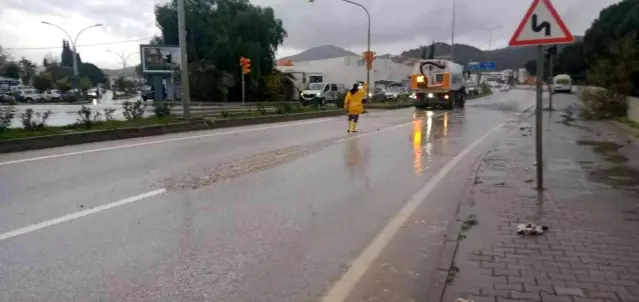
(438, 83)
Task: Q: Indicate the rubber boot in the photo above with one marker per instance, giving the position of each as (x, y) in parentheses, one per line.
(350, 126)
(354, 127)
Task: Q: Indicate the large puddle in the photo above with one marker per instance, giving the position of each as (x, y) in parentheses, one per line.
(618, 175)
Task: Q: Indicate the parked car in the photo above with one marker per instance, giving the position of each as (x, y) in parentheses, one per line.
(504, 88)
(52, 95)
(92, 93)
(7, 98)
(29, 95)
(395, 92)
(472, 89)
(377, 95)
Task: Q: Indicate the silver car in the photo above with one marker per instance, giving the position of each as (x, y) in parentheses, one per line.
(376, 95)
(395, 92)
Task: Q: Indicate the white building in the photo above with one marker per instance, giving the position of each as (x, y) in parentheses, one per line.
(349, 70)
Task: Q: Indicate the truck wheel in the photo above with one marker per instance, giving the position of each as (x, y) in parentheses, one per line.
(462, 100)
(449, 106)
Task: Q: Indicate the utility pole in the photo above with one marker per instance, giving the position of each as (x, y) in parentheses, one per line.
(184, 62)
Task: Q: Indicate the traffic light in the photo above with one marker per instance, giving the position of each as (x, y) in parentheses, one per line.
(369, 57)
(246, 65)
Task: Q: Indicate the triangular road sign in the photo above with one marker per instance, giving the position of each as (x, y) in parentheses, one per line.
(541, 25)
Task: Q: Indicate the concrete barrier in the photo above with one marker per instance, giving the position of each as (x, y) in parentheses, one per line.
(236, 122)
(51, 141)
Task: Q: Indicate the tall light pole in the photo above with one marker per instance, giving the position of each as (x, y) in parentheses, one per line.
(184, 68)
(123, 57)
(452, 33)
(368, 40)
(74, 43)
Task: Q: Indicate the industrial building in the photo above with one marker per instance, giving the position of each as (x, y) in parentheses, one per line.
(349, 70)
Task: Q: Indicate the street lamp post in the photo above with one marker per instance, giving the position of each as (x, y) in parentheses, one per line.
(74, 45)
(123, 57)
(368, 41)
(452, 33)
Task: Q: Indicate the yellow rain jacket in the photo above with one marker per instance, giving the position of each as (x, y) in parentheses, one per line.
(354, 103)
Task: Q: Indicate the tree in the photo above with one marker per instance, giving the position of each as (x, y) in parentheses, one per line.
(67, 55)
(156, 41)
(4, 57)
(531, 67)
(614, 23)
(619, 71)
(85, 83)
(27, 70)
(220, 32)
(93, 73)
(63, 85)
(571, 61)
(279, 86)
(11, 70)
(43, 81)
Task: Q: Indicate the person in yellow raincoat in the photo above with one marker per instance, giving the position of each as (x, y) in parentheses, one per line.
(354, 105)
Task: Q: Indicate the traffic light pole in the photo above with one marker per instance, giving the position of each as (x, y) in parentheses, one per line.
(243, 89)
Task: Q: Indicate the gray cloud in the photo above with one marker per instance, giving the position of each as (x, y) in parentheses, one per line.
(394, 23)
(400, 21)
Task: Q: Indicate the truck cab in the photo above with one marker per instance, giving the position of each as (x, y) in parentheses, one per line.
(438, 83)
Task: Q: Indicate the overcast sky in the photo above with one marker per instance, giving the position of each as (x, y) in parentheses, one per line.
(397, 25)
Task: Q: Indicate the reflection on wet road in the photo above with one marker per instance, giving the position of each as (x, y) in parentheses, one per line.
(258, 213)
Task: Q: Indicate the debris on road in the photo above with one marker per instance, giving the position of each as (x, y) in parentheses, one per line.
(531, 229)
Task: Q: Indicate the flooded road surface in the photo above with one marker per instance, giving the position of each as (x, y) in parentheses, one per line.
(278, 212)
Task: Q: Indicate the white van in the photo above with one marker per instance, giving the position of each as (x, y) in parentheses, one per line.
(562, 83)
(325, 92)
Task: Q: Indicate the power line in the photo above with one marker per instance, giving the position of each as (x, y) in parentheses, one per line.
(85, 45)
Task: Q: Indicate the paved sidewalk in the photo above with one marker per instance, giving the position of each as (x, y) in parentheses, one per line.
(591, 204)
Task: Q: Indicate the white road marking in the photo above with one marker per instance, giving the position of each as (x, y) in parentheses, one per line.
(342, 288)
(18, 161)
(382, 130)
(76, 215)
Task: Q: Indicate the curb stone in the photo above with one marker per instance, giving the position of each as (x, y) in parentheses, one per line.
(59, 140)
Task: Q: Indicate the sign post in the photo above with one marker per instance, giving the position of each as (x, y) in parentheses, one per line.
(541, 26)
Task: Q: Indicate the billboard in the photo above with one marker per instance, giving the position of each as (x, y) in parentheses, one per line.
(160, 59)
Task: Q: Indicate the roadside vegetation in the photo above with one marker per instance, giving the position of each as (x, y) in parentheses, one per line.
(608, 58)
(134, 113)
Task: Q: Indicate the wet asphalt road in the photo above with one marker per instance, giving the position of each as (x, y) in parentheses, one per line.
(261, 213)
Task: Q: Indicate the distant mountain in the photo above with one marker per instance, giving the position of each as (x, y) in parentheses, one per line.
(506, 58)
(126, 72)
(320, 53)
